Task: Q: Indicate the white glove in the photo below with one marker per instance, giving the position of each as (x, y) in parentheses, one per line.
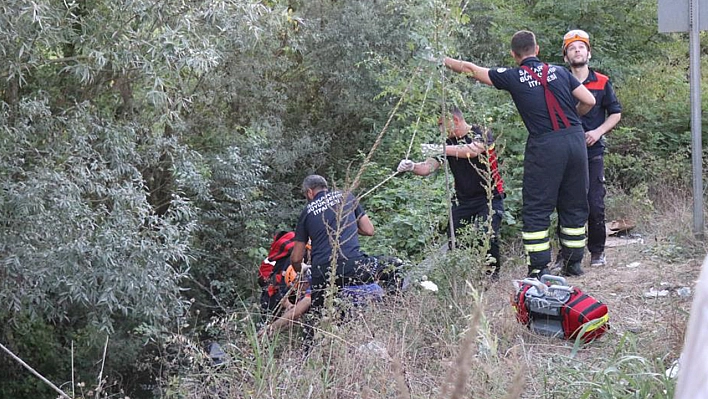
(431, 150)
(406, 165)
(430, 55)
(304, 267)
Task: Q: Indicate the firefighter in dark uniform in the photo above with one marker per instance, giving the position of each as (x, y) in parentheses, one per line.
(555, 160)
(600, 120)
(463, 147)
(333, 220)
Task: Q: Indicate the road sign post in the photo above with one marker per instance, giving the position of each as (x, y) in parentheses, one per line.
(690, 16)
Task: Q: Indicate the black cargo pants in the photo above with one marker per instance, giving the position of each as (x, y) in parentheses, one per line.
(555, 177)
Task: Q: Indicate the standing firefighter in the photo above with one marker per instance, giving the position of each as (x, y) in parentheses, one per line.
(555, 160)
(600, 120)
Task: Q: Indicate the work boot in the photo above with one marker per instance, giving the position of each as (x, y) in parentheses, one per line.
(598, 259)
(572, 269)
(557, 265)
(537, 273)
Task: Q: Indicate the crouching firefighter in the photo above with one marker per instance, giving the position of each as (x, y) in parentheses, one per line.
(333, 220)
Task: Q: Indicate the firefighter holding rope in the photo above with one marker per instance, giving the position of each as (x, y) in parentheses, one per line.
(470, 153)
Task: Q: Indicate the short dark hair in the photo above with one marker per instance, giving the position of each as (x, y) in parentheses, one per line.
(456, 112)
(523, 43)
(313, 182)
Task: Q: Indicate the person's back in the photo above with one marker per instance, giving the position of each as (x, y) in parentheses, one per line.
(555, 161)
(332, 221)
(545, 96)
(329, 213)
(529, 95)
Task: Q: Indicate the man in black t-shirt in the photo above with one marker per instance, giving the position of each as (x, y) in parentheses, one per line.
(471, 155)
(333, 220)
(599, 121)
(555, 159)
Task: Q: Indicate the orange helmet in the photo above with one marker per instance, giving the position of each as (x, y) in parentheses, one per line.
(575, 35)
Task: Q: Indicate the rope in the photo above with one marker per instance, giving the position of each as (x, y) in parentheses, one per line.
(357, 178)
(355, 183)
(410, 145)
(444, 134)
(420, 112)
(444, 138)
(380, 184)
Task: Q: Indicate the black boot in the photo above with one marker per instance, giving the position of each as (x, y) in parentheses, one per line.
(558, 265)
(537, 273)
(572, 269)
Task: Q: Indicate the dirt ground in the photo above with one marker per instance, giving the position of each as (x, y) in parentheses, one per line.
(647, 298)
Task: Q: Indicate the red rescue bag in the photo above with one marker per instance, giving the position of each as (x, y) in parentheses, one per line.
(279, 249)
(580, 309)
(559, 310)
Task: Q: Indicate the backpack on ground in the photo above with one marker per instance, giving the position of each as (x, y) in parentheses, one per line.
(270, 272)
(559, 310)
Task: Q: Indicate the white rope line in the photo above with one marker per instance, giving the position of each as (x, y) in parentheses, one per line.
(420, 112)
(357, 178)
(444, 133)
(379, 185)
(410, 145)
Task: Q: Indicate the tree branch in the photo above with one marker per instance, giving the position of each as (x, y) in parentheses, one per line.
(28, 367)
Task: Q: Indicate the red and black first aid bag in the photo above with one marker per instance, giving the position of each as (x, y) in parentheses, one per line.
(270, 272)
(580, 309)
(279, 249)
(559, 310)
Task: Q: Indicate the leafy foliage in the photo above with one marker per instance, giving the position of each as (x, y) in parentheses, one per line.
(78, 229)
(150, 149)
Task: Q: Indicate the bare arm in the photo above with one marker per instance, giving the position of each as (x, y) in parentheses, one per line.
(430, 165)
(470, 150)
(468, 68)
(426, 167)
(592, 136)
(297, 255)
(364, 226)
(585, 98)
(292, 314)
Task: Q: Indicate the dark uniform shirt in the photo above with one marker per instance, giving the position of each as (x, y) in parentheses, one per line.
(529, 96)
(606, 104)
(469, 184)
(319, 219)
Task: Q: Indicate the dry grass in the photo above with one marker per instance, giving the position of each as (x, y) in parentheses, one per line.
(464, 342)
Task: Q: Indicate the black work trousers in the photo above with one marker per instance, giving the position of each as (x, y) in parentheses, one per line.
(555, 177)
(476, 212)
(596, 201)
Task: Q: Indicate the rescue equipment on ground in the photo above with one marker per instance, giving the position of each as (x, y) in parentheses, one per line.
(553, 308)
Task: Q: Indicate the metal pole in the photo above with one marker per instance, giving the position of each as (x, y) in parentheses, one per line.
(696, 147)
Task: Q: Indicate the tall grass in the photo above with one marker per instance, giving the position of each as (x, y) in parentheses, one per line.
(413, 345)
(459, 342)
